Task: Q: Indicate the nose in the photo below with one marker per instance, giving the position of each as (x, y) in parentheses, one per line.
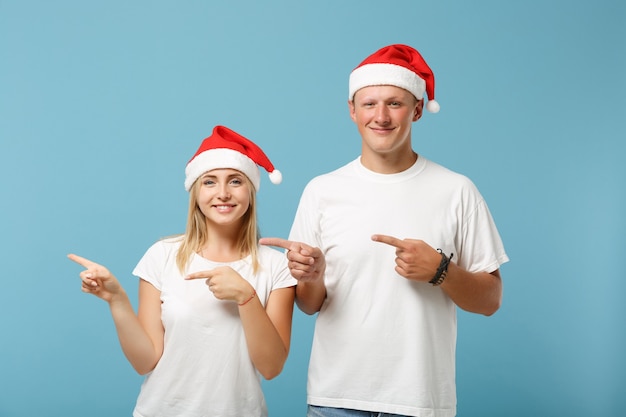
(382, 115)
(224, 192)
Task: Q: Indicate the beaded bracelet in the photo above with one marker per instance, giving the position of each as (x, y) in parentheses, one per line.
(251, 297)
(442, 271)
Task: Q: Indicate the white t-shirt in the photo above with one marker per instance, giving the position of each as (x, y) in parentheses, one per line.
(382, 342)
(205, 369)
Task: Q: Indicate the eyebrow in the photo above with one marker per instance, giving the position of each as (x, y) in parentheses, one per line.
(393, 98)
(230, 176)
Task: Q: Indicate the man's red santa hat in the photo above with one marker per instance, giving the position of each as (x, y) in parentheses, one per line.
(398, 65)
(226, 148)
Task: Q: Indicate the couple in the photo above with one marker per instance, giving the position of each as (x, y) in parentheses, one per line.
(384, 249)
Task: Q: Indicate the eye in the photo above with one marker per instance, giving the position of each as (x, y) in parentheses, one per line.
(208, 181)
(236, 181)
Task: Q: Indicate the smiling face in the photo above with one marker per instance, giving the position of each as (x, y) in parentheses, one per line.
(384, 115)
(224, 197)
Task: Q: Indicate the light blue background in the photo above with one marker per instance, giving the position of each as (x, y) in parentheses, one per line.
(103, 103)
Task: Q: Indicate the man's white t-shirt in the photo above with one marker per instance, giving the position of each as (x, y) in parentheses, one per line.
(382, 342)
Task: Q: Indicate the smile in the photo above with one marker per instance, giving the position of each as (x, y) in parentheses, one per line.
(223, 208)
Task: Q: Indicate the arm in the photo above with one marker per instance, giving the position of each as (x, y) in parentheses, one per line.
(268, 331)
(476, 292)
(310, 296)
(140, 336)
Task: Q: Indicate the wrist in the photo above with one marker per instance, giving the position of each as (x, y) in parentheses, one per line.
(442, 270)
(247, 299)
(117, 295)
(119, 301)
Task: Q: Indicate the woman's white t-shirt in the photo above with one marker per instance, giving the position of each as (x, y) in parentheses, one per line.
(205, 369)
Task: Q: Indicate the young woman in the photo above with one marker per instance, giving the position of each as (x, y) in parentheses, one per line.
(215, 308)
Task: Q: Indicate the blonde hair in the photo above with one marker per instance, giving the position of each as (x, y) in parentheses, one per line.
(196, 233)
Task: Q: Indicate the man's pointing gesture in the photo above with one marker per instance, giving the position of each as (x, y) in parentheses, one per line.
(306, 264)
(415, 259)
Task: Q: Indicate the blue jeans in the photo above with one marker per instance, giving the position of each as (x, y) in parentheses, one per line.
(315, 411)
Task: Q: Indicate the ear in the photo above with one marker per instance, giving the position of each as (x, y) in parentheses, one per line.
(351, 109)
(419, 110)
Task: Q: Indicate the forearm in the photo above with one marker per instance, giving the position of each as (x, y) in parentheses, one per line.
(267, 350)
(310, 295)
(479, 292)
(134, 340)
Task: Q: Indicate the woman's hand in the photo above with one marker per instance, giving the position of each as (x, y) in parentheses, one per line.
(97, 280)
(225, 284)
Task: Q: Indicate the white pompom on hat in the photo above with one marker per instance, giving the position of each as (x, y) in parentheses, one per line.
(398, 65)
(226, 148)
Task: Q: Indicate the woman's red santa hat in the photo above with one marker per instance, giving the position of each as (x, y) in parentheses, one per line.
(226, 148)
(398, 65)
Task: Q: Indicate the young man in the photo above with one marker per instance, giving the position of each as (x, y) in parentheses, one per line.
(384, 249)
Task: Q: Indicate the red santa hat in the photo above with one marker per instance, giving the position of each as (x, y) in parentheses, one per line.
(398, 65)
(228, 149)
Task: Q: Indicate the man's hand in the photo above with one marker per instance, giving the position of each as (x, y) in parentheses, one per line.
(415, 259)
(306, 263)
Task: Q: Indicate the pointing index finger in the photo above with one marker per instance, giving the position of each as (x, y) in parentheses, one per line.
(389, 240)
(279, 242)
(80, 260)
(200, 275)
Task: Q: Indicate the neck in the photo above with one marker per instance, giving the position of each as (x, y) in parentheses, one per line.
(221, 246)
(389, 163)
